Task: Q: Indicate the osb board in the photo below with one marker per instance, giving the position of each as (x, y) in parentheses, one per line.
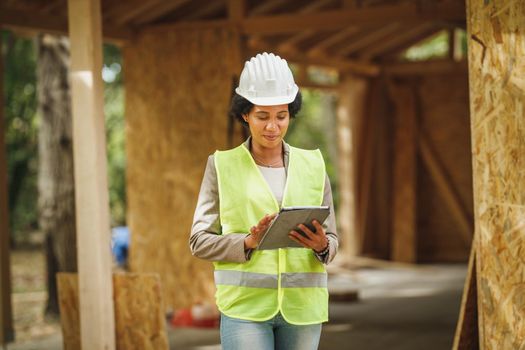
(178, 89)
(67, 284)
(444, 120)
(139, 312)
(497, 104)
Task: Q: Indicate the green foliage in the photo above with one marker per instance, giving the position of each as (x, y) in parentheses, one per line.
(20, 102)
(115, 133)
(21, 129)
(434, 47)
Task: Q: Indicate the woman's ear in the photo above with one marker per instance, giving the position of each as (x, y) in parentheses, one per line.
(245, 117)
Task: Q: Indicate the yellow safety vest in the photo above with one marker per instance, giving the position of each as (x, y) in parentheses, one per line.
(292, 280)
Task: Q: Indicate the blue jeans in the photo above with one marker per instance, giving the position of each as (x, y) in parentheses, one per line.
(276, 333)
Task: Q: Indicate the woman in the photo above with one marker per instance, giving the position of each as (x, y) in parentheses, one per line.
(269, 299)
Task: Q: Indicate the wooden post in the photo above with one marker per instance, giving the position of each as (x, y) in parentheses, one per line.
(404, 244)
(97, 320)
(497, 107)
(6, 317)
(350, 112)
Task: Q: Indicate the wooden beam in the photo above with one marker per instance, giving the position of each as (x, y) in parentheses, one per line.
(450, 194)
(158, 11)
(319, 48)
(97, 318)
(360, 68)
(352, 97)
(125, 11)
(236, 9)
(311, 7)
(466, 336)
(266, 6)
(337, 19)
(6, 312)
(425, 67)
(46, 23)
(205, 10)
(401, 38)
(393, 52)
(404, 239)
(368, 39)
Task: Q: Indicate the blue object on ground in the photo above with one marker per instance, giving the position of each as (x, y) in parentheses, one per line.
(120, 244)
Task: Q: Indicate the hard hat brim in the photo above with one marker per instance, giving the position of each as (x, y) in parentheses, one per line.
(271, 101)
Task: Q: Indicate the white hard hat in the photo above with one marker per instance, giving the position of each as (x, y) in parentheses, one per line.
(266, 80)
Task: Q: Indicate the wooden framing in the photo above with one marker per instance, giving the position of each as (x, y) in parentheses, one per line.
(446, 187)
(352, 97)
(91, 190)
(16, 20)
(368, 39)
(425, 68)
(466, 336)
(158, 11)
(404, 243)
(397, 40)
(6, 313)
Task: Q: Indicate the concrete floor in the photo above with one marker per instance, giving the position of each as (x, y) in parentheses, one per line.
(399, 307)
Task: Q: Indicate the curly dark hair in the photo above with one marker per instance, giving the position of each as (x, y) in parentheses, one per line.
(239, 106)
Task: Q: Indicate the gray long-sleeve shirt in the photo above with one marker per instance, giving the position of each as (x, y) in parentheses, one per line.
(206, 241)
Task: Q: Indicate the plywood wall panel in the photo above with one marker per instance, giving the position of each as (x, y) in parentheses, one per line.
(178, 89)
(497, 94)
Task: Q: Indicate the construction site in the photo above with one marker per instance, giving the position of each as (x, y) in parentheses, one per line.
(429, 166)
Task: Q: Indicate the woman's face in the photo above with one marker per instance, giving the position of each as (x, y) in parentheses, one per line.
(268, 124)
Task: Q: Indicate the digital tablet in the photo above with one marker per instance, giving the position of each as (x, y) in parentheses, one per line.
(286, 220)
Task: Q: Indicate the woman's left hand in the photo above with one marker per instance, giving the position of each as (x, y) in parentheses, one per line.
(315, 240)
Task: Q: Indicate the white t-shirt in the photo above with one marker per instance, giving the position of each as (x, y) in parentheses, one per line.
(276, 179)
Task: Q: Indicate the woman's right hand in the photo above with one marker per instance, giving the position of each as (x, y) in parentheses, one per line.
(256, 232)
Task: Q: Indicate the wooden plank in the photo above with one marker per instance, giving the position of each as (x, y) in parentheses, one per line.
(404, 244)
(139, 311)
(6, 312)
(344, 65)
(397, 40)
(497, 87)
(367, 39)
(91, 187)
(466, 336)
(236, 9)
(67, 284)
(266, 6)
(337, 19)
(350, 111)
(47, 23)
(158, 11)
(334, 39)
(425, 67)
(447, 189)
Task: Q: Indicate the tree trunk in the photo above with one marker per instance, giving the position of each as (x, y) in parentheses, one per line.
(55, 172)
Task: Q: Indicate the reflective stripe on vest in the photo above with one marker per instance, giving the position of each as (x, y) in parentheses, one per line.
(263, 280)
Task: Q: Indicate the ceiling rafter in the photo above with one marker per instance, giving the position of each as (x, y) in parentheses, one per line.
(209, 8)
(331, 40)
(368, 39)
(357, 67)
(391, 53)
(311, 7)
(125, 11)
(158, 11)
(407, 35)
(266, 7)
